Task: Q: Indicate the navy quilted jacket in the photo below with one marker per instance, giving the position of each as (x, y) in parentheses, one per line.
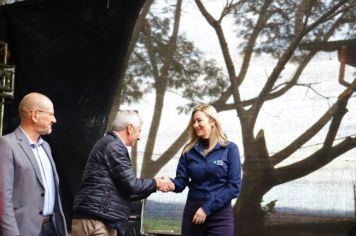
(109, 185)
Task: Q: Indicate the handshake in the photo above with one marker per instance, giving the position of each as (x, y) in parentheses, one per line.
(164, 184)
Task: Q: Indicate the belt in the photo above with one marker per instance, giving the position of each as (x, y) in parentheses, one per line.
(46, 219)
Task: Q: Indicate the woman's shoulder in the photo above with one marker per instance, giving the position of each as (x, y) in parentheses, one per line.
(230, 144)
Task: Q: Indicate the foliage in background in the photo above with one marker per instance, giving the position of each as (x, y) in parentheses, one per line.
(190, 74)
(165, 60)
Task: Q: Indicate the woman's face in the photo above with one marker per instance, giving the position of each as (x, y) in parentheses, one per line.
(202, 125)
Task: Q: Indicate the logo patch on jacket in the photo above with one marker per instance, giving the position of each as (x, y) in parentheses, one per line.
(219, 162)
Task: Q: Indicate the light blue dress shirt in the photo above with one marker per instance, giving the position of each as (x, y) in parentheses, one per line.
(46, 170)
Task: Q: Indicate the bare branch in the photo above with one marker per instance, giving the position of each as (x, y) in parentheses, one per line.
(172, 45)
(150, 50)
(226, 10)
(223, 106)
(331, 13)
(310, 86)
(136, 32)
(221, 101)
(307, 135)
(303, 10)
(285, 58)
(260, 24)
(314, 162)
(155, 166)
(327, 152)
(161, 84)
(226, 54)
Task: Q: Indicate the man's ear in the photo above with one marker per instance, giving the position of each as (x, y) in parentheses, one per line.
(34, 116)
(129, 129)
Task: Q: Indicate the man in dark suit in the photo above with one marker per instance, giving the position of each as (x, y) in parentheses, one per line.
(28, 177)
(102, 204)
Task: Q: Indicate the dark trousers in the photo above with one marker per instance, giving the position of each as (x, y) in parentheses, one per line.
(218, 223)
(48, 229)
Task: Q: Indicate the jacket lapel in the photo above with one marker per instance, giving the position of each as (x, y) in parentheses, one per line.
(23, 142)
(49, 155)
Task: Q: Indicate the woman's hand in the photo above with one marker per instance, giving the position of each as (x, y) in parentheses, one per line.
(199, 217)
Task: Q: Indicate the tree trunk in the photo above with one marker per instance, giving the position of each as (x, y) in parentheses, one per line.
(258, 178)
(249, 217)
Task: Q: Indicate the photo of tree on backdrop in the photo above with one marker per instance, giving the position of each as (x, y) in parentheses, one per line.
(272, 69)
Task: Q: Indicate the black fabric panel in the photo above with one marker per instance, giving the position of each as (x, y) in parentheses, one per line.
(71, 51)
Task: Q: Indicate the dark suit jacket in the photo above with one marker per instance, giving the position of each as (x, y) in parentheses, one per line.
(22, 188)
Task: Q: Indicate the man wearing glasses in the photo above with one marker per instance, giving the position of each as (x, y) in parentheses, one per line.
(28, 177)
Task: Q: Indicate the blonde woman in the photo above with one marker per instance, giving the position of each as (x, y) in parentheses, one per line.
(210, 167)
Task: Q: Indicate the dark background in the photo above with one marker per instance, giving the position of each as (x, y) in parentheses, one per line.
(71, 51)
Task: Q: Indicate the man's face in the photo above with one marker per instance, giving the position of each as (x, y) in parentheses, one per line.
(45, 119)
(134, 134)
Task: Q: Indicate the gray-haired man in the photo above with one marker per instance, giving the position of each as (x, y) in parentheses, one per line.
(102, 204)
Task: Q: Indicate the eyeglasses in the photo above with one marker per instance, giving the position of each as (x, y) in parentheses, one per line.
(136, 111)
(46, 112)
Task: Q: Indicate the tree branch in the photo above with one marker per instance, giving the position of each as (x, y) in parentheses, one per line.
(308, 134)
(135, 34)
(150, 50)
(172, 45)
(160, 85)
(314, 162)
(304, 9)
(285, 58)
(327, 152)
(165, 157)
(226, 54)
(265, 173)
(223, 106)
(260, 24)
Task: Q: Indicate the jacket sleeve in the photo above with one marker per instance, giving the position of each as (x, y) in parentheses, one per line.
(182, 176)
(7, 220)
(233, 187)
(136, 197)
(122, 173)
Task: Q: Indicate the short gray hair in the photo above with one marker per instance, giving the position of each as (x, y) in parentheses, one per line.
(124, 118)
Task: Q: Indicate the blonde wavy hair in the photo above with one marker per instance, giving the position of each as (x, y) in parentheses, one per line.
(217, 135)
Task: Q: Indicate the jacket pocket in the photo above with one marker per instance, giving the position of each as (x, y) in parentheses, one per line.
(107, 201)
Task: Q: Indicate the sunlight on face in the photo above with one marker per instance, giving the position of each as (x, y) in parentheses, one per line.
(201, 124)
(135, 135)
(46, 119)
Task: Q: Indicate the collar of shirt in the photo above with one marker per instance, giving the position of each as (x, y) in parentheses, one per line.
(200, 148)
(118, 136)
(33, 145)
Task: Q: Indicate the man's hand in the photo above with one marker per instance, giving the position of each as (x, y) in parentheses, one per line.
(164, 184)
(199, 217)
